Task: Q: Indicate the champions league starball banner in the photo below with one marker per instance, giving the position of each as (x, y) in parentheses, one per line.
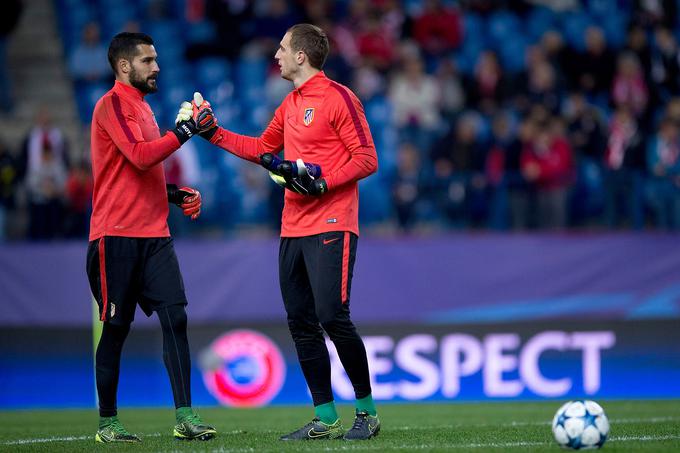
(448, 319)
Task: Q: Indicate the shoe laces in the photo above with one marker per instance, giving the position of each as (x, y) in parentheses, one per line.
(118, 427)
(359, 420)
(193, 419)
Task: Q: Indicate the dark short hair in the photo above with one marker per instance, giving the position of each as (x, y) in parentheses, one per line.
(124, 46)
(312, 40)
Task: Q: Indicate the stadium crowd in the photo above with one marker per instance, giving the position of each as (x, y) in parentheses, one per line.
(502, 115)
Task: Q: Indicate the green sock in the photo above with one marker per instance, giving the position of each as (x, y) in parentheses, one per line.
(106, 421)
(183, 412)
(326, 413)
(366, 405)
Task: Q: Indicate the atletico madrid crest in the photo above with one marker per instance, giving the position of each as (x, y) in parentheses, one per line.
(309, 116)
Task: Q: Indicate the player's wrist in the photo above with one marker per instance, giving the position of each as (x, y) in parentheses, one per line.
(184, 131)
(209, 134)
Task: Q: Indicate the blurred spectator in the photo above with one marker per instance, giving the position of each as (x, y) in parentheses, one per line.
(367, 82)
(637, 43)
(46, 183)
(586, 131)
(663, 163)
(541, 86)
(45, 160)
(624, 163)
(666, 65)
(508, 197)
(593, 69)
(555, 51)
(10, 173)
(89, 61)
(547, 164)
(272, 20)
(375, 45)
(439, 29)
(407, 187)
(451, 89)
(79, 186)
(415, 98)
(395, 21)
(43, 135)
(11, 12)
(343, 54)
(655, 12)
(458, 181)
(487, 87)
(233, 20)
(629, 88)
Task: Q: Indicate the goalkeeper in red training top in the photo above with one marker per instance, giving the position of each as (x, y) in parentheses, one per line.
(130, 258)
(320, 122)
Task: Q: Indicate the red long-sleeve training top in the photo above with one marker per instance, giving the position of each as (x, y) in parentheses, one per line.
(129, 196)
(322, 122)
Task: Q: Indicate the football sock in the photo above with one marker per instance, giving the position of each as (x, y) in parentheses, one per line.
(326, 413)
(107, 366)
(183, 412)
(366, 405)
(176, 352)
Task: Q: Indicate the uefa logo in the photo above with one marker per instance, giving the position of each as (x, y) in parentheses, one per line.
(243, 368)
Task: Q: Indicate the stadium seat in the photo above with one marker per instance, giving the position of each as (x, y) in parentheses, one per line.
(574, 26)
(213, 71)
(502, 26)
(539, 21)
(87, 95)
(200, 32)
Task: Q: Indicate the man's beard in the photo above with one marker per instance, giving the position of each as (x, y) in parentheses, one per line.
(143, 84)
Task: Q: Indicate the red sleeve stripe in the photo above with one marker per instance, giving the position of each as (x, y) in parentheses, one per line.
(353, 111)
(115, 100)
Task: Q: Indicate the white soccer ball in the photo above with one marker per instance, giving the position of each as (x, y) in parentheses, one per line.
(580, 425)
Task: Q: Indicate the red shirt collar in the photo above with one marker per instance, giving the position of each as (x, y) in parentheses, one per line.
(127, 90)
(317, 80)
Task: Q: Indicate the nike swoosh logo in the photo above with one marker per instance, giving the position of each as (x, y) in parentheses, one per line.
(313, 433)
(328, 241)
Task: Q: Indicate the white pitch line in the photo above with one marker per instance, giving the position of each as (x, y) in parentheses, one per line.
(439, 446)
(619, 421)
(407, 428)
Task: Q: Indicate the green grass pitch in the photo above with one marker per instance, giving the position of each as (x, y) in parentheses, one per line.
(636, 426)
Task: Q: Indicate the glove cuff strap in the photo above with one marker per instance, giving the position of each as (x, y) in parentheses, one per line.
(209, 134)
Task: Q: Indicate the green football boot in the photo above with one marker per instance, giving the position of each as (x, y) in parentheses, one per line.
(114, 432)
(315, 430)
(192, 427)
(365, 426)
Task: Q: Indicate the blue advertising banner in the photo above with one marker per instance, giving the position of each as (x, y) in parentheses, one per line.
(254, 366)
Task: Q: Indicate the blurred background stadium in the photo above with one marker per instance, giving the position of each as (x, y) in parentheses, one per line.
(519, 240)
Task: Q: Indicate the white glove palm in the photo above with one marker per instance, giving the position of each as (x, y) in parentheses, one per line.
(185, 113)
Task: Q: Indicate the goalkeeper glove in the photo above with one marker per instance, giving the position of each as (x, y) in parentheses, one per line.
(300, 177)
(203, 116)
(200, 114)
(184, 130)
(186, 198)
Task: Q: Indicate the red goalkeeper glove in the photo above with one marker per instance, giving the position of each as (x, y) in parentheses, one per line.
(203, 116)
(186, 198)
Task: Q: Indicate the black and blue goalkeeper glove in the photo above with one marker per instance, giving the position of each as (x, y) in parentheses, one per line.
(300, 177)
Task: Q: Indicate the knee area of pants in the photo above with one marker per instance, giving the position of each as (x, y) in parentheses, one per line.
(335, 326)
